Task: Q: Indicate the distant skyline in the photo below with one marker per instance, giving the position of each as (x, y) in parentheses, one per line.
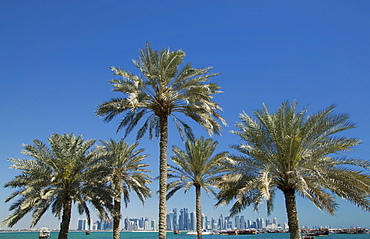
(82, 225)
(55, 66)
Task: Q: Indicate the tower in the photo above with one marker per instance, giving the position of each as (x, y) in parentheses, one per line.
(242, 223)
(237, 222)
(175, 222)
(193, 223)
(220, 224)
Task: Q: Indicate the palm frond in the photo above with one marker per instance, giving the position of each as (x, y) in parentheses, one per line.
(294, 151)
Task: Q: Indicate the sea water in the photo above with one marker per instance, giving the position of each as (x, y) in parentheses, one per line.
(170, 235)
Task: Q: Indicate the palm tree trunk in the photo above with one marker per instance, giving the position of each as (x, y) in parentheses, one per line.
(198, 210)
(291, 209)
(66, 219)
(116, 219)
(163, 176)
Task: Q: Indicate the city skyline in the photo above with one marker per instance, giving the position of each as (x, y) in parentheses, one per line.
(56, 59)
(185, 221)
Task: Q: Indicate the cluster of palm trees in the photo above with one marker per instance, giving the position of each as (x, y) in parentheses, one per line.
(289, 150)
(72, 171)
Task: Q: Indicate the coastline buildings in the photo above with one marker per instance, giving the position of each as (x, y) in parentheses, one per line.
(187, 222)
(83, 224)
(102, 225)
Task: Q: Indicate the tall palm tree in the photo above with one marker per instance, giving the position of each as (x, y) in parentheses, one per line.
(124, 170)
(164, 91)
(56, 177)
(196, 167)
(299, 154)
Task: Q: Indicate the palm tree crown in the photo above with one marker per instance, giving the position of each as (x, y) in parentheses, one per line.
(125, 170)
(163, 90)
(196, 167)
(55, 178)
(297, 154)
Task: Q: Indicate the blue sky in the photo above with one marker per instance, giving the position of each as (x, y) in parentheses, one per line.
(55, 59)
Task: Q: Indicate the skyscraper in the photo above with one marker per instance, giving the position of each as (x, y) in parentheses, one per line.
(275, 221)
(237, 222)
(260, 223)
(169, 221)
(228, 223)
(184, 219)
(204, 221)
(175, 222)
(220, 224)
(242, 223)
(83, 224)
(213, 224)
(193, 223)
(153, 225)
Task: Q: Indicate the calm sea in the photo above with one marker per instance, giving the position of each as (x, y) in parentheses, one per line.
(154, 235)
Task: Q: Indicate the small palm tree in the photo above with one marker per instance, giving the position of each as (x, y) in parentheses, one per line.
(297, 154)
(124, 170)
(164, 91)
(196, 167)
(56, 177)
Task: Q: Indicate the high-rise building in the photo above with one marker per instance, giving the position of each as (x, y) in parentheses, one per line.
(144, 224)
(175, 221)
(228, 223)
(83, 224)
(260, 223)
(267, 222)
(242, 223)
(193, 221)
(237, 222)
(213, 224)
(133, 224)
(127, 224)
(184, 219)
(105, 225)
(204, 221)
(169, 221)
(275, 221)
(153, 225)
(253, 224)
(95, 225)
(220, 224)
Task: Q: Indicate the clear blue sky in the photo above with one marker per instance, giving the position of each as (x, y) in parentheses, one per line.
(55, 58)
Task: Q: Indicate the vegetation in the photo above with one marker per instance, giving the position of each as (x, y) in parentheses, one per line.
(124, 170)
(289, 151)
(299, 154)
(164, 91)
(56, 177)
(196, 167)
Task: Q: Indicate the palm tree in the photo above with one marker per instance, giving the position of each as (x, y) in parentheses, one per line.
(299, 154)
(56, 177)
(196, 167)
(164, 91)
(123, 167)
